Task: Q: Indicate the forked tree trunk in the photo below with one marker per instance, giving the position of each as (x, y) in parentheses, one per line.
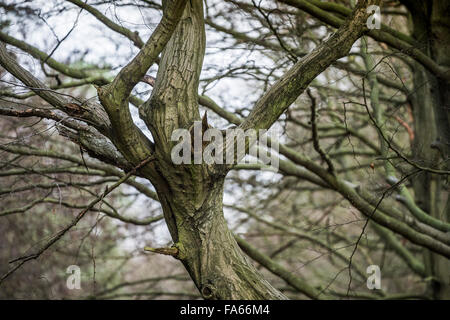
(191, 196)
(431, 105)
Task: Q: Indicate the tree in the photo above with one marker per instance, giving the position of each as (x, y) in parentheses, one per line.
(305, 41)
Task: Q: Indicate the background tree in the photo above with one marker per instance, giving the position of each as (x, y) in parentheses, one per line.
(363, 159)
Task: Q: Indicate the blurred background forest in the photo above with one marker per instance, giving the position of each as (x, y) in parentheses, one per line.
(291, 216)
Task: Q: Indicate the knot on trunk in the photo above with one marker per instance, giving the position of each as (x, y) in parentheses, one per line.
(208, 291)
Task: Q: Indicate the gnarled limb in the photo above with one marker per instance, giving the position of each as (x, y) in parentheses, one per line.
(114, 97)
(286, 90)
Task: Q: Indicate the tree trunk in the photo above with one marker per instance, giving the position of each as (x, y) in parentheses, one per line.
(191, 195)
(431, 104)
